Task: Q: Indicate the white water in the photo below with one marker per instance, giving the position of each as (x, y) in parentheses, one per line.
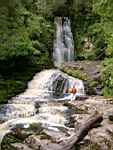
(21, 109)
(64, 43)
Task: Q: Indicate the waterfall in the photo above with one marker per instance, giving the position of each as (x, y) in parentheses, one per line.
(41, 89)
(64, 43)
(40, 103)
(51, 113)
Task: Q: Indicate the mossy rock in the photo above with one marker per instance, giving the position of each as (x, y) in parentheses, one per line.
(75, 73)
(35, 127)
(19, 137)
(90, 85)
(8, 140)
(83, 70)
(74, 109)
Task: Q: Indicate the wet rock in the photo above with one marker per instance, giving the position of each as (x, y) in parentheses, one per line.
(80, 98)
(110, 116)
(101, 137)
(58, 85)
(35, 142)
(74, 109)
(43, 144)
(37, 106)
(20, 134)
(89, 72)
(55, 136)
(20, 146)
(32, 142)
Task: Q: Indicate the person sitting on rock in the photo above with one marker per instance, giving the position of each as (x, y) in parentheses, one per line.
(73, 92)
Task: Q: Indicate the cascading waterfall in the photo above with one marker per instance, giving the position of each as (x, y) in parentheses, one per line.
(21, 109)
(64, 43)
(46, 89)
(41, 89)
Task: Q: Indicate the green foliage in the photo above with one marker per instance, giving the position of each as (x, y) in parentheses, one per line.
(10, 88)
(97, 35)
(19, 31)
(47, 7)
(92, 19)
(26, 40)
(16, 44)
(18, 41)
(107, 77)
(83, 21)
(104, 9)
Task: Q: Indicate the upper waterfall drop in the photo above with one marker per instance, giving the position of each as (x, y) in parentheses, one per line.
(63, 43)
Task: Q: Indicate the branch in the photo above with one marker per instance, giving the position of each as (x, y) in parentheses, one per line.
(83, 131)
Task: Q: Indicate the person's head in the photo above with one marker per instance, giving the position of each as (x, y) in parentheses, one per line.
(74, 90)
(70, 90)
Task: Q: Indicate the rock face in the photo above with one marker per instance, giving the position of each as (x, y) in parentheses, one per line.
(20, 146)
(58, 85)
(89, 72)
(88, 45)
(101, 137)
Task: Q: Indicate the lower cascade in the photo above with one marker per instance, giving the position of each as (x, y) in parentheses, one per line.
(41, 102)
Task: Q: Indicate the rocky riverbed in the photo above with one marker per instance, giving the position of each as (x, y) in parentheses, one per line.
(99, 138)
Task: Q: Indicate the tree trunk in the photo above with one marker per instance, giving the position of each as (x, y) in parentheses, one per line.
(83, 131)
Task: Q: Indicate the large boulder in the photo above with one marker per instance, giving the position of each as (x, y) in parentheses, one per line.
(89, 72)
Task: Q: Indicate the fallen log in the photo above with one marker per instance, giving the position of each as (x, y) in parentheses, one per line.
(83, 131)
(69, 143)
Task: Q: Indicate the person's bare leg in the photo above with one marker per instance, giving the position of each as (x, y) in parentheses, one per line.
(73, 97)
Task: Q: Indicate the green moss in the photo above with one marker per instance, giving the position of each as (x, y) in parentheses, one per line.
(75, 109)
(35, 127)
(8, 139)
(75, 73)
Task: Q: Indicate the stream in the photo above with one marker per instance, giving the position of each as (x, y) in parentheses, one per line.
(39, 103)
